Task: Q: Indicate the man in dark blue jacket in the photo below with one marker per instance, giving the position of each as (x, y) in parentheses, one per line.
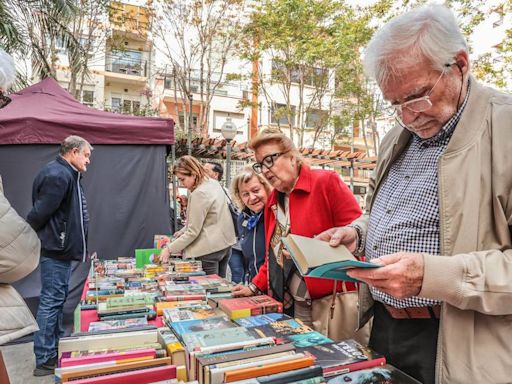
(60, 217)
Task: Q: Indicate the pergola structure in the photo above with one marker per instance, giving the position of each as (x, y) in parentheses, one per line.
(216, 148)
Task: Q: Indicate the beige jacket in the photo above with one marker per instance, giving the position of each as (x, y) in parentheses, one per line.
(473, 277)
(19, 255)
(209, 225)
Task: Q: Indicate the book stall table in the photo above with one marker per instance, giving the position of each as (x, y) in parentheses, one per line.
(87, 316)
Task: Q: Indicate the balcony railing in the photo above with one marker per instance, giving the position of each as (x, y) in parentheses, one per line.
(126, 65)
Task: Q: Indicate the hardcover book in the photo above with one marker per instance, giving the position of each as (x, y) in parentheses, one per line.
(254, 321)
(308, 339)
(214, 337)
(142, 376)
(174, 348)
(269, 369)
(387, 374)
(345, 356)
(174, 315)
(195, 326)
(146, 256)
(125, 356)
(281, 330)
(117, 324)
(316, 258)
(249, 306)
(107, 368)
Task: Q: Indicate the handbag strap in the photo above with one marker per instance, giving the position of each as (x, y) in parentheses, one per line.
(334, 295)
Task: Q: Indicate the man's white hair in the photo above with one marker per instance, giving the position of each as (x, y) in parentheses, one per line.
(430, 32)
(7, 70)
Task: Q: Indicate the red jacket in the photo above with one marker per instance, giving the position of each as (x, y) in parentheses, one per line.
(319, 201)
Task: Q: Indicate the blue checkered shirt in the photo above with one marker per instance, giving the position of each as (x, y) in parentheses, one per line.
(405, 213)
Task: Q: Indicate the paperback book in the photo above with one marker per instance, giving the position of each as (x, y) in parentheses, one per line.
(342, 357)
(316, 258)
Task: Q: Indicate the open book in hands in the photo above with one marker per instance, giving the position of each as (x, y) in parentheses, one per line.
(316, 258)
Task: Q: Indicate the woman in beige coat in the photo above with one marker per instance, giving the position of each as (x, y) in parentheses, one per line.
(209, 232)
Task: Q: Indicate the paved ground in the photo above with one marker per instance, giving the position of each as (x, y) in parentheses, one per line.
(20, 363)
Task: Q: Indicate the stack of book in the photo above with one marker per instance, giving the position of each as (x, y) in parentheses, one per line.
(132, 356)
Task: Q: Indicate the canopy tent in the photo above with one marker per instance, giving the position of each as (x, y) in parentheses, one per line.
(126, 182)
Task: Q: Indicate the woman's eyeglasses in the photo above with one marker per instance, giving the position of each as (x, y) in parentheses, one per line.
(4, 100)
(268, 162)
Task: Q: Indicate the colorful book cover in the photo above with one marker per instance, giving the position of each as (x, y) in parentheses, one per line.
(250, 306)
(175, 315)
(146, 256)
(281, 330)
(213, 323)
(254, 321)
(126, 356)
(215, 336)
(345, 356)
(159, 241)
(117, 324)
(308, 339)
(387, 374)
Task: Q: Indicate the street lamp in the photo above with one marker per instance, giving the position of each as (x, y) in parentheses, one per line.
(228, 131)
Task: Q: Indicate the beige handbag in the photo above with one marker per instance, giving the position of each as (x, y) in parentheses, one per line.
(336, 317)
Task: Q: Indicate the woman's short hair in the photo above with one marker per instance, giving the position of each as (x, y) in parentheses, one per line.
(242, 177)
(429, 32)
(190, 166)
(275, 136)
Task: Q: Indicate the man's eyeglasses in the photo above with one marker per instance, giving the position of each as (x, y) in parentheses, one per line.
(420, 104)
(268, 162)
(4, 100)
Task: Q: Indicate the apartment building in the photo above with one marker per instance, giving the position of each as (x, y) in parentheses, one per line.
(120, 61)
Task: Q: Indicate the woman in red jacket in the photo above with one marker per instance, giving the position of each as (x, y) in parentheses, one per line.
(305, 202)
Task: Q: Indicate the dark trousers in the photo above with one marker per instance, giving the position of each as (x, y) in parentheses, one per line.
(55, 276)
(408, 344)
(216, 263)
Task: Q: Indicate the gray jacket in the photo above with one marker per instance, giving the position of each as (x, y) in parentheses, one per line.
(19, 255)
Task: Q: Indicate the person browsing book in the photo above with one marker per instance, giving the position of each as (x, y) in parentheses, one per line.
(208, 233)
(60, 217)
(304, 201)
(250, 192)
(439, 209)
(236, 260)
(19, 244)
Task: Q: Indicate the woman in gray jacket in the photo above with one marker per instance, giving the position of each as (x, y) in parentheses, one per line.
(209, 232)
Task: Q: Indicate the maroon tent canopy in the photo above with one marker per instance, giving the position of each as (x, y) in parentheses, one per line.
(45, 113)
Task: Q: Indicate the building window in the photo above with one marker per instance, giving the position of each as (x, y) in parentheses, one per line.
(316, 118)
(182, 120)
(313, 76)
(116, 104)
(280, 114)
(88, 98)
(131, 107)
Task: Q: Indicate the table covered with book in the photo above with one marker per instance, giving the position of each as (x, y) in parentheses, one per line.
(148, 323)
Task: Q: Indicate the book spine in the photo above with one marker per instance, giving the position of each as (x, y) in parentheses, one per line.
(331, 371)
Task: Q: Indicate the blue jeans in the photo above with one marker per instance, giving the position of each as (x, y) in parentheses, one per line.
(236, 264)
(55, 276)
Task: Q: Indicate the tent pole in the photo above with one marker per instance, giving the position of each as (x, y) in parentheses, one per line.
(174, 190)
(189, 136)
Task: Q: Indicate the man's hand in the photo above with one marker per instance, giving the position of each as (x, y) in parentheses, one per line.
(340, 235)
(400, 276)
(241, 291)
